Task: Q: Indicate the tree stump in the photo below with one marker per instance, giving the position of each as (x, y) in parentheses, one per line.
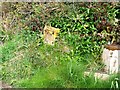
(111, 58)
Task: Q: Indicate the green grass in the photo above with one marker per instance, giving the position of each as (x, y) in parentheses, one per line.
(27, 62)
(7, 51)
(63, 76)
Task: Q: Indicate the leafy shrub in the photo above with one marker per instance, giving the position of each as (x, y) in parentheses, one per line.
(83, 19)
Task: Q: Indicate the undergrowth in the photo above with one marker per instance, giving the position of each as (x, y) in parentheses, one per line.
(32, 64)
(27, 62)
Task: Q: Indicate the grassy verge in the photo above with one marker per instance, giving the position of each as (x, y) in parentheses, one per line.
(27, 62)
(66, 75)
